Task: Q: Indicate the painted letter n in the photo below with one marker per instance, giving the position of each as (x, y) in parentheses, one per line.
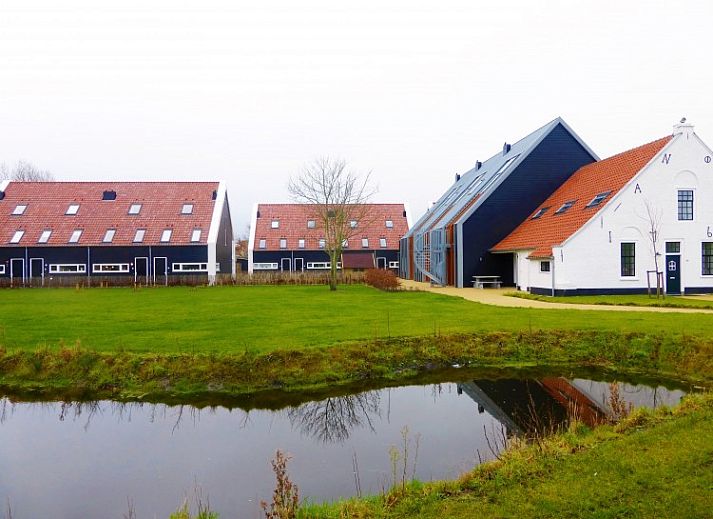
(666, 158)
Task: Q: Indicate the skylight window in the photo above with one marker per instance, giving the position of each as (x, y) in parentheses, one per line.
(72, 209)
(109, 235)
(322, 243)
(19, 209)
(275, 224)
(76, 234)
(283, 243)
(345, 244)
(301, 243)
(166, 235)
(598, 199)
(263, 244)
(139, 236)
(187, 209)
(389, 224)
(196, 235)
(365, 243)
(565, 207)
(17, 236)
(45, 236)
(539, 213)
(353, 224)
(311, 224)
(382, 243)
(135, 209)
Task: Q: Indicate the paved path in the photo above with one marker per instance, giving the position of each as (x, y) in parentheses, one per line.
(496, 296)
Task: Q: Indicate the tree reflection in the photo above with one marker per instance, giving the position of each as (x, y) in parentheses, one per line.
(332, 420)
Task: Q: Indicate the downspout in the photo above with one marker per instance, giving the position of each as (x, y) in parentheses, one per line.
(553, 275)
(89, 267)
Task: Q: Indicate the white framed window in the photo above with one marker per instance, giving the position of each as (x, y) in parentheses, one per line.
(393, 264)
(45, 236)
(311, 224)
(544, 266)
(2, 269)
(565, 207)
(275, 224)
(139, 236)
(598, 199)
(76, 234)
(345, 244)
(17, 236)
(110, 267)
(264, 266)
(353, 224)
(262, 244)
(187, 209)
(68, 268)
(72, 209)
(166, 235)
(109, 236)
(134, 208)
(365, 243)
(382, 243)
(318, 265)
(195, 235)
(389, 224)
(189, 267)
(283, 243)
(19, 209)
(322, 243)
(301, 243)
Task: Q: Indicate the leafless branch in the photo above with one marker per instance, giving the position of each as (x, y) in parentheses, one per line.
(24, 171)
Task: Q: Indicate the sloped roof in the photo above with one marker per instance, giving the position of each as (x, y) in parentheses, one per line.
(478, 183)
(161, 206)
(606, 176)
(293, 220)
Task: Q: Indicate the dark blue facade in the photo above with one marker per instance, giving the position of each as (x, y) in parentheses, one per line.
(309, 256)
(549, 164)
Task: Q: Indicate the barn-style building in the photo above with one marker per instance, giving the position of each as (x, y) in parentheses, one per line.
(451, 243)
(289, 238)
(142, 232)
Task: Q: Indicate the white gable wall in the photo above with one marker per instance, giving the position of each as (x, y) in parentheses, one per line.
(590, 259)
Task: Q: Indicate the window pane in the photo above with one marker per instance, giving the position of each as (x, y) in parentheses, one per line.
(673, 247)
(73, 209)
(311, 224)
(109, 236)
(17, 236)
(187, 209)
(628, 259)
(20, 209)
(685, 204)
(135, 209)
(708, 259)
(139, 236)
(283, 243)
(275, 224)
(382, 242)
(389, 224)
(166, 235)
(263, 244)
(45, 236)
(365, 242)
(75, 236)
(196, 235)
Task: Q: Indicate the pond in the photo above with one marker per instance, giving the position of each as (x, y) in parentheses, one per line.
(69, 460)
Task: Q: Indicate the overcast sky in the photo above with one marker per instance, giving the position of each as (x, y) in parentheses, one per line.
(247, 92)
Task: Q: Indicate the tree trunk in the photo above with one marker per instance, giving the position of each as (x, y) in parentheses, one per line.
(333, 271)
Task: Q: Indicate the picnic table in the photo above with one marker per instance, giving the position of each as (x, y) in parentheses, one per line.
(483, 281)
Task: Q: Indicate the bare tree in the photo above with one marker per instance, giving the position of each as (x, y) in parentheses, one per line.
(338, 198)
(24, 171)
(654, 217)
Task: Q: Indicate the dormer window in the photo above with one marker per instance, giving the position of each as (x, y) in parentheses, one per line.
(539, 213)
(565, 207)
(17, 236)
(45, 236)
(365, 243)
(76, 234)
(187, 209)
(166, 235)
(311, 224)
(139, 236)
(196, 235)
(389, 224)
(109, 235)
(597, 200)
(72, 209)
(19, 209)
(275, 224)
(135, 209)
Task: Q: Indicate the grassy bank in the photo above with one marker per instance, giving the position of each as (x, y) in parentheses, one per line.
(652, 464)
(622, 300)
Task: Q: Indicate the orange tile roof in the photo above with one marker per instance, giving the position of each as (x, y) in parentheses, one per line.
(552, 229)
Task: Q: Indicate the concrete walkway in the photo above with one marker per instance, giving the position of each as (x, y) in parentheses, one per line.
(497, 297)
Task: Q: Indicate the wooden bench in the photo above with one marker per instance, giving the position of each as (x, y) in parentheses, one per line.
(489, 281)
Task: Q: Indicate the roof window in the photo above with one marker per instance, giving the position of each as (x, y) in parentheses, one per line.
(166, 235)
(389, 224)
(283, 243)
(109, 235)
(76, 234)
(322, 243)
(187, 209)
(365, 243)
(382, 243)
(345, 243)
(598, 199)
(139, 236)
(195, 235)
(45, 236)
(353, 224)
(109, 195)
(565, 207)
(301, 243)
(539, 213)
(72, 209)
(135, 209)
(17, 236)
(275, 224)
(19, 209)
(311, 224)
(263, 244)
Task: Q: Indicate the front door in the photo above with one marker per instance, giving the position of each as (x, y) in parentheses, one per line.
(141, 270)
(285, 264)
(299, 264)
(381, 262)
(673, 267)
(37, 271)
(17, 271)
(160, 270)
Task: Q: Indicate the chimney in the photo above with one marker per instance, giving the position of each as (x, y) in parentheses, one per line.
(506, 148)
(683, 127)
(457, 177)
(478, 165)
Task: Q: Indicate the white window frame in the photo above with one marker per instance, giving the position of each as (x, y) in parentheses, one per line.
(353, 224)
(365, 243)
(262, 244)
(275, 224)
(75, 236)
(110, 268)
(301, 243)
(393, 264)
(19, 209)
(139, 235)
(283, 243)
(2, 269)
(17, 236)
(109, 236)
(76, 268)
(311, 224)
(166, 235)
(322, 243)
(195, 238)
(45, 236)
(322, 265)
(382, 243)
(265, 266)
(187, 209)
(72, 209)
(135, 208)
(187, 267)
(389, 224)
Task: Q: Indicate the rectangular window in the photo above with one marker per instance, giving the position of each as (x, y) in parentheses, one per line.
(539, 213)
(110, 267)
(275, 224)
(262, 244)
(283, 243)
(264, 266)
(109, 236)
(189, 267)
(65, 268)
(76, 234)
(544, 266)
(72, 209)
(187, 209)
(135, 209)
(565, 207)
(393, 264)
(17, 236)
(382, 243)
(345, 244)
(2, 269)
(321, 265)
(195, 235)
(311, 224)
(685, 204)
(673, 247)
(19, 209)
(707, 259)
(353, 224)
(389, 224)
(166, 235)
(45, 236)
(322, 243)
(628, 259)
(301, 243)
(139, 236)
(365, 243)
(597, 200)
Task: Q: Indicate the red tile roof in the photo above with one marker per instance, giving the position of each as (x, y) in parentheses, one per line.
(161, 205)
(293, 219)
(551, 229)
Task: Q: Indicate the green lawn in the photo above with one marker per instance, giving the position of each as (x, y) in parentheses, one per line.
(626, 300)
(264, 318)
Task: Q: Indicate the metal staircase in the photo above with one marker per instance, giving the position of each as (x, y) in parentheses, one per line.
(430, 255)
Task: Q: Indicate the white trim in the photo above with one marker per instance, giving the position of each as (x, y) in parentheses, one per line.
(2, 269)
(108, 268)
(165, 273)
(17, 212)
(194, 238)
(220, 201)
(71, 211)
(42, 268)
(48, 233)
(79, 268)
(265, 266)
(187, 208)
(140, 239)
(251, 238)
(17, 236)
(393, 264)
(183, 267)
(136, 270)
(133, 212)
(75, 236)
(166, 235)
(4, 184)
(108, 238)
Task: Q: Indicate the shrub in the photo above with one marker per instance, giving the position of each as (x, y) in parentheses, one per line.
(381, 279)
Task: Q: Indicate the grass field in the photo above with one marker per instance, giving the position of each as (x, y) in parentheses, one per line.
(266, 318)
(623, 300)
